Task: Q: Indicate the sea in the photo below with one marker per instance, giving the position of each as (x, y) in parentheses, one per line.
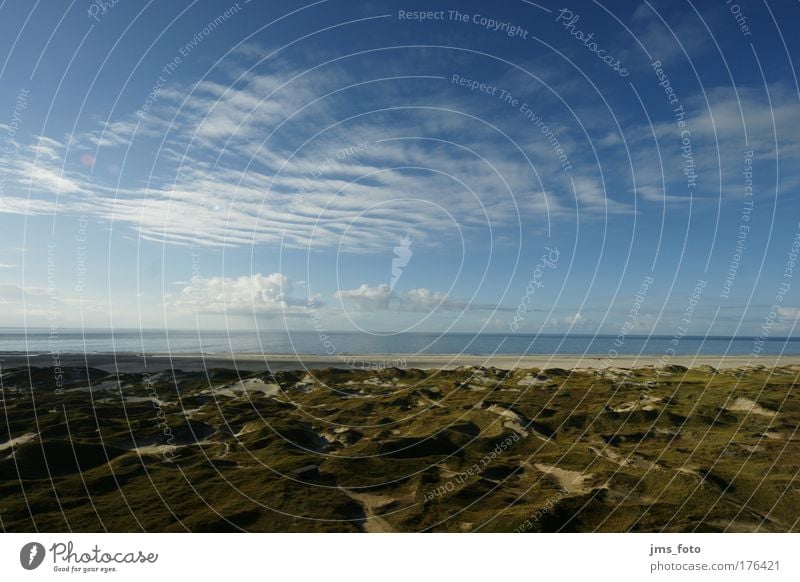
(89, 341)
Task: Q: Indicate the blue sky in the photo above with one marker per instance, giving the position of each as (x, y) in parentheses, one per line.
(237, 165)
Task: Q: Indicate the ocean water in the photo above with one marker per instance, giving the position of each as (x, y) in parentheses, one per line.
(16, 340)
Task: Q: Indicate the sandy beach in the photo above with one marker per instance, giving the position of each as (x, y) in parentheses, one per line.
(128, 362)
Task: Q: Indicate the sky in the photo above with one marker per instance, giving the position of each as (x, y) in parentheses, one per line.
(505, 167)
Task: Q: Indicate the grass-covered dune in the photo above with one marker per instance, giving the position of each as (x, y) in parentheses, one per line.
(470, 449)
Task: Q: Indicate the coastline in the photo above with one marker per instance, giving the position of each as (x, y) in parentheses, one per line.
(130, 362)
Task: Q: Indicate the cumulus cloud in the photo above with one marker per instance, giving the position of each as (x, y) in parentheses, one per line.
(254, 294)
(366, 298)
(423, 299)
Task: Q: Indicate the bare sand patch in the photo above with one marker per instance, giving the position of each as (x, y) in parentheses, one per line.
(246, 386)
(631, 460)
(645, 403)
(20, 440)
(573, 482)
(747, 405)
(531, 380)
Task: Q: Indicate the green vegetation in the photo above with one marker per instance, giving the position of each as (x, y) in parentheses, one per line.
(649, 449)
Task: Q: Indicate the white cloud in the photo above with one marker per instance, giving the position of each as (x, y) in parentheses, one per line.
(576, 319)
(37, 170)
(788, 312)
(366, 298)
(255, 294)
(18, 205)
(382, 298)
(47, 149)
(46, 179)
(223, 178)
(423, 299)
(571, 322)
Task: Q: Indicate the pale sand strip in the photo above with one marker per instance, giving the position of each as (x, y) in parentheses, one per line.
(194, 362)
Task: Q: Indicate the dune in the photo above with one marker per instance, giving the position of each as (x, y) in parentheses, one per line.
(350, 454)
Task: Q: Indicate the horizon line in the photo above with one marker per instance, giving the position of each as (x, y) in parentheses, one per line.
(387, 333)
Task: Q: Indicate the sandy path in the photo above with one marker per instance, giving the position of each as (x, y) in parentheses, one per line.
(370, 502)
